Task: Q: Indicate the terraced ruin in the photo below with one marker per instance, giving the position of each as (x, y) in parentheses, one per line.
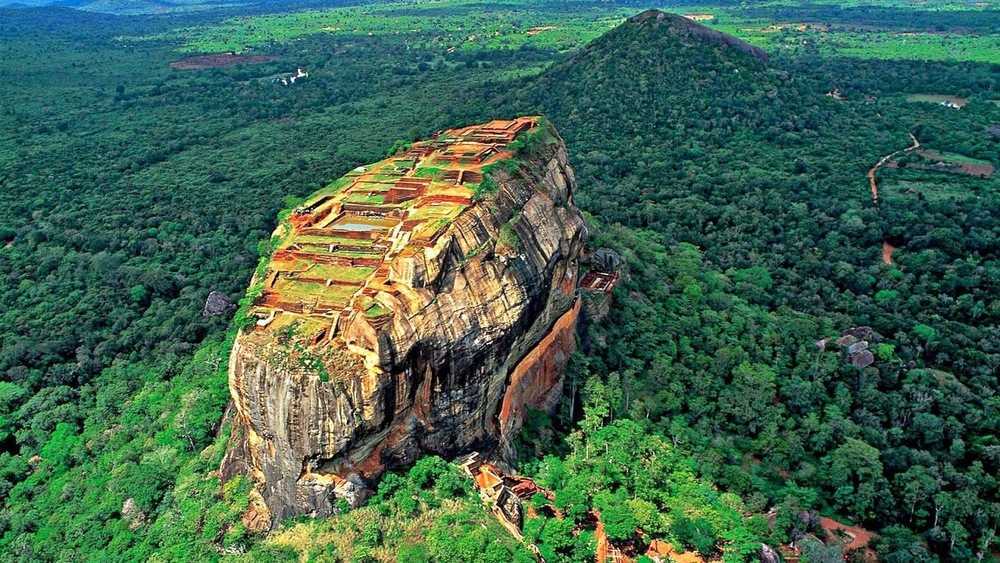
(340, 254)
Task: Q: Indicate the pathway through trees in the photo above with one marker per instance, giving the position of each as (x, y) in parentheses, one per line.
(887, 248)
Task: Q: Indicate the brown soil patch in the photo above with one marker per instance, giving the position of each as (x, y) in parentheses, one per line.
(981, 170)
(219, 60)
(940, 163)
(887, 250)
(853, 537)
(540, 29)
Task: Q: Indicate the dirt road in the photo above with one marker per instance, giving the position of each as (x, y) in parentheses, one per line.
(887, 248)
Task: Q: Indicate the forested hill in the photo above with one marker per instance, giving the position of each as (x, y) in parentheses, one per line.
(754, 178)
(688, 32)
(656, 72)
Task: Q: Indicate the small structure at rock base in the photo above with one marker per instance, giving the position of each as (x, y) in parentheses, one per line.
(599, 282)
(853, 538)
(597, 285)
(854, 541)
(506, 494)
(503, 494)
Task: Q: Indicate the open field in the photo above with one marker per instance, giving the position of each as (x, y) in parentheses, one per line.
(941, 99)
(448, 26)
(957, 163)
(199, 62)
(915, 187)
(868, 44)
(917, 46)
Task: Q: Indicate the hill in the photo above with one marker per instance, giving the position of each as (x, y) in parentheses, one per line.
(687, 31)
(753, 178)
(657, 72)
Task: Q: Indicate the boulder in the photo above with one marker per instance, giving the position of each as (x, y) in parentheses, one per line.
(131, 514)
(217, 304)
(607, 261)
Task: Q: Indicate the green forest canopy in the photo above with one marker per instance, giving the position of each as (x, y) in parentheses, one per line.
(735, 190)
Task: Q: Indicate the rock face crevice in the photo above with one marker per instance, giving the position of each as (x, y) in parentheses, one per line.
(479, 325)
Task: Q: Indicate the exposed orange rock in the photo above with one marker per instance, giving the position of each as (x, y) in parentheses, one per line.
(257, 518)
(537, 379)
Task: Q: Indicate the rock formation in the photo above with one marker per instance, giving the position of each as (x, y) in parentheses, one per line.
(419, 304)
(217, 304)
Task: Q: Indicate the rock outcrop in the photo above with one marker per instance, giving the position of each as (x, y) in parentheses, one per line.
(419, 304)
(217, 304)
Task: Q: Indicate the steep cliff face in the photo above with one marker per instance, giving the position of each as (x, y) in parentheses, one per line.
(417, 305)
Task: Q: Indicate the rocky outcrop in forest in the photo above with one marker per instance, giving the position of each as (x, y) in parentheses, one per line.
(420, 304)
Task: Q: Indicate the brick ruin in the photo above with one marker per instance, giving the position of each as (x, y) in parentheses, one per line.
(330, 274)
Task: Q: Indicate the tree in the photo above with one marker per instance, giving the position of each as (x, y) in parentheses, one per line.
(897, 544)
(749, 399)
(855, 472)
(619, 521)
(573, 498)
(916, 486)
(694, 533)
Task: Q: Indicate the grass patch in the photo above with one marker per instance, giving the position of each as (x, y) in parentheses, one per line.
(293, 290)
(368, 199)
(325, 241)
(449, 24)
(428, 172)
(376, 310)
(952, 158)
(508, 236)
(340, 273)
(356, 254)
(937, 99)
(329, 189)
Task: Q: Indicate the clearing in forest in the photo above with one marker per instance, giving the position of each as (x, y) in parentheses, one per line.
(218, 60)
(942, 161)
(946, 100)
